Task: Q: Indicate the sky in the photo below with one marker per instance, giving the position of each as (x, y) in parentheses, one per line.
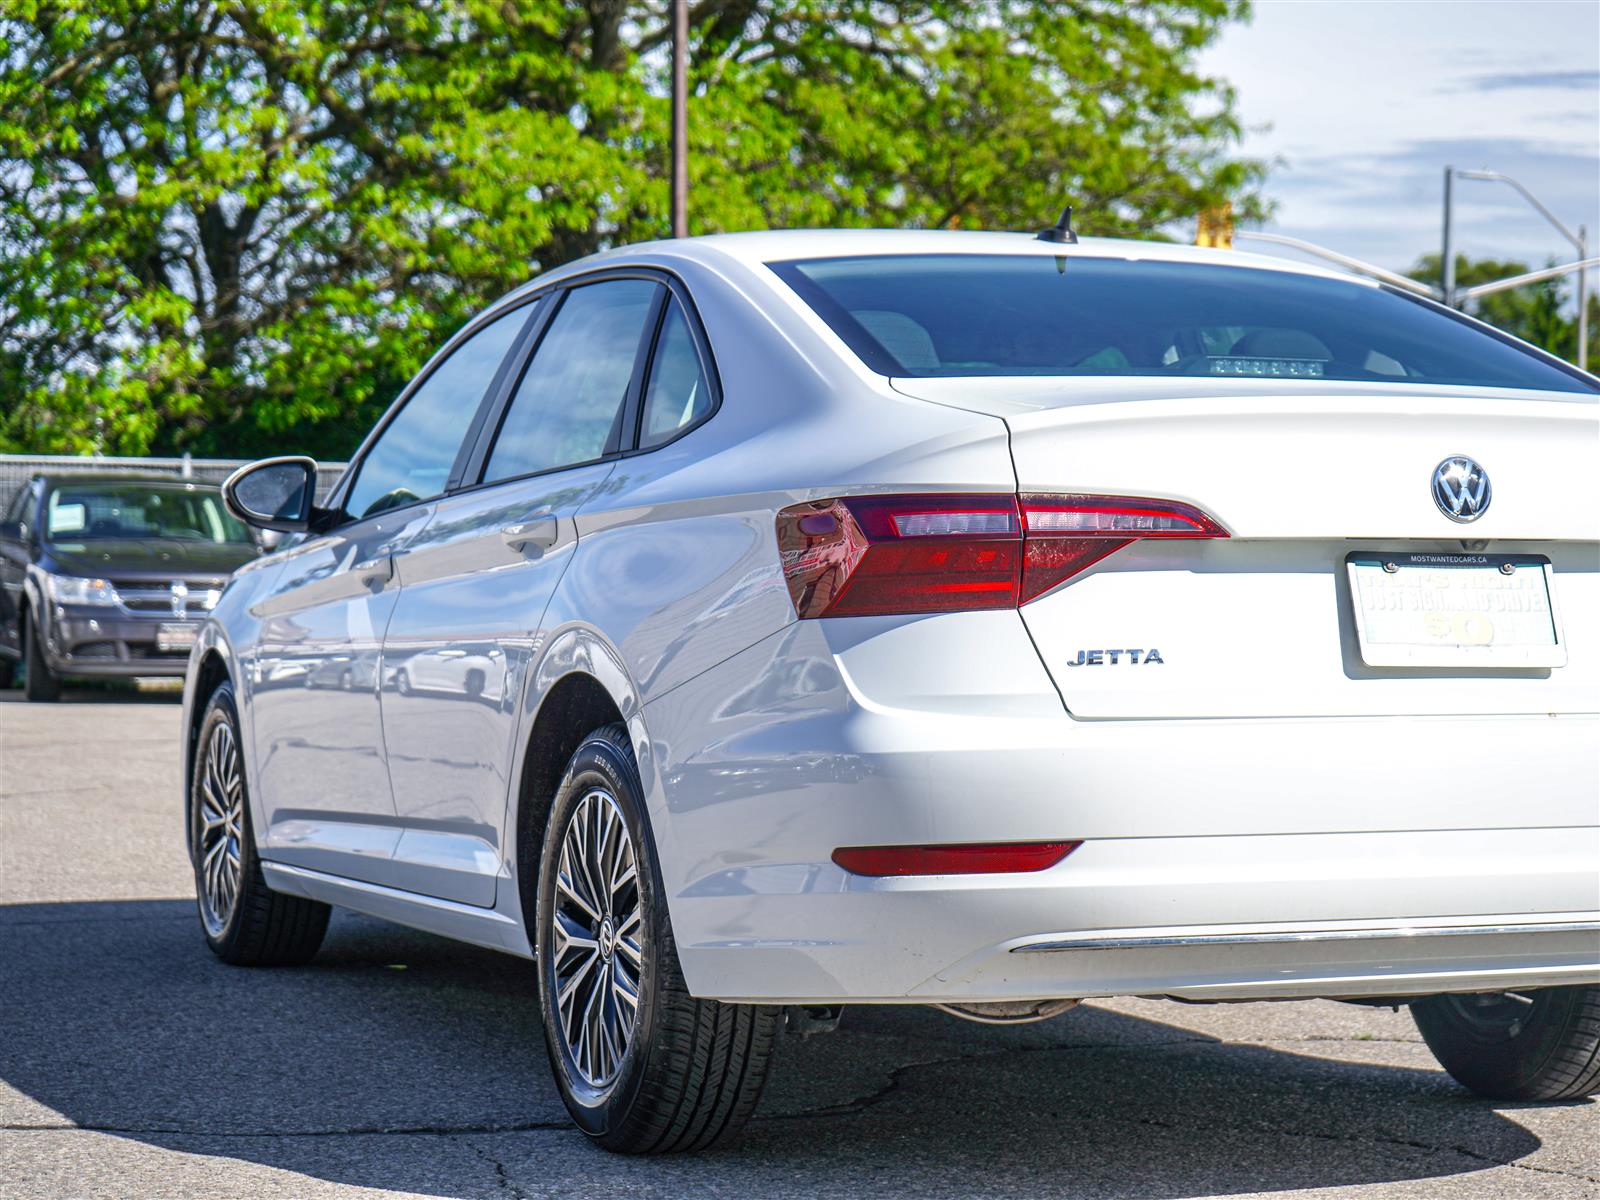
(1363, 104)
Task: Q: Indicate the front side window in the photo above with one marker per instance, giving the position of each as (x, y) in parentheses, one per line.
(568, 407)
(412, 457)
(79, 512)
(677, 394)
(954, 315)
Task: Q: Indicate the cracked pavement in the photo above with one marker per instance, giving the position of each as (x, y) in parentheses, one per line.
(133, 1064)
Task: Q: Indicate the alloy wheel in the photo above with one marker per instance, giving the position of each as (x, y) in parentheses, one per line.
(596, 940)
(219, 835)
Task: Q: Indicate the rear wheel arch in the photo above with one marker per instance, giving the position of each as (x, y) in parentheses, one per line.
(573, 708)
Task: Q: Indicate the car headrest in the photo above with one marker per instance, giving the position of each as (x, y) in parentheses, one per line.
(906, 341)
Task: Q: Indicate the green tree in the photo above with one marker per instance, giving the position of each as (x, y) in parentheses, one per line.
(239, 227)
(1537, 313)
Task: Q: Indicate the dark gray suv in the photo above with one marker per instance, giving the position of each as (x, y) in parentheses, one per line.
(108, 574)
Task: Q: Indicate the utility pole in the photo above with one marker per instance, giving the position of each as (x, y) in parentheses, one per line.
(680, 118)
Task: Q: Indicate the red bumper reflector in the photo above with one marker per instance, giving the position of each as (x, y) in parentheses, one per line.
(979, 858)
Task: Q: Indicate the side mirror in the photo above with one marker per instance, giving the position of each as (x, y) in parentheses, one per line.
(275, 493)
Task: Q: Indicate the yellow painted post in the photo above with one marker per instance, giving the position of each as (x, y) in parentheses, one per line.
(1215, 228)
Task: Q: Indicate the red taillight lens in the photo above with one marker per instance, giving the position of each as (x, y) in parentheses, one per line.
(901, 554)
(983, 858)
(1066, 534)
(881, 555)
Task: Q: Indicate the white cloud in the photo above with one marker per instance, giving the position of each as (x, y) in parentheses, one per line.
(1365, 104)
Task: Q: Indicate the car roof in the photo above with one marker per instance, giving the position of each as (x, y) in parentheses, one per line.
(757, 248)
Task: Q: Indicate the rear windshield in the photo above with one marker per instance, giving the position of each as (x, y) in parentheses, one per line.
(948, 315)
(77, 512)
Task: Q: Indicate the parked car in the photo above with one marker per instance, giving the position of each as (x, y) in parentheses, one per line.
(106, 574)
(956, 619)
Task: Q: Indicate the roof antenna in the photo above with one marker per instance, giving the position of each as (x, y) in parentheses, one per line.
(1061, 231)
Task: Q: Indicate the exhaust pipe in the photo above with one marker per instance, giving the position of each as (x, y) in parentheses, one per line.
(1008, 1012)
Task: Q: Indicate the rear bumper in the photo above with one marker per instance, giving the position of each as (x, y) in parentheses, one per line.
(1349, 959)
(1205, 843)
(1376, 914)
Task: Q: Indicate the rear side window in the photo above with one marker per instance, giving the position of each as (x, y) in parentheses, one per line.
(412, 457)
(954, 315)
(568, 407)
(677, 394)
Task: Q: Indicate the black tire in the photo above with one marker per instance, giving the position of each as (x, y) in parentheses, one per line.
(257, 927)
(691, 1071)
(1533, 1045)
(39, 683)
(8, 673)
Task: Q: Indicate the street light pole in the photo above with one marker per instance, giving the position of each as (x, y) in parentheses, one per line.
(1583, 301)
(1579, 240)
(1447, 257)
(680, 118)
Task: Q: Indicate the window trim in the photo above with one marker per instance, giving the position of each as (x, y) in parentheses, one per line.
(334, 505)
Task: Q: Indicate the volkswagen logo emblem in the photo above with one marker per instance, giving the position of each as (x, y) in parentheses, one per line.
(1461, 488)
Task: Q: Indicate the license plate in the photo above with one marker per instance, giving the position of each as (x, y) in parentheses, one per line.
(176, 635)
(1455, 610)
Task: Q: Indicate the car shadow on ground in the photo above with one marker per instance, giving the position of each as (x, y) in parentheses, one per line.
(116, 1018)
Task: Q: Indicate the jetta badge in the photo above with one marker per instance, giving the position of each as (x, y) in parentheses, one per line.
(1461, 489)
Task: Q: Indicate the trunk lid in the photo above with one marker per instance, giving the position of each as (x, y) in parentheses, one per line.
(1264, 623)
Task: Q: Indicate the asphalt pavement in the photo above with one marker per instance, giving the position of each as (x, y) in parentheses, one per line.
(133, 1064)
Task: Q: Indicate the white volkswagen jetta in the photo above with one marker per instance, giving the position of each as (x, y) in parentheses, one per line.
(959, 619)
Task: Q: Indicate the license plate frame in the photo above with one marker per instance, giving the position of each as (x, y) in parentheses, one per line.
(1404, 618)
(176, 635)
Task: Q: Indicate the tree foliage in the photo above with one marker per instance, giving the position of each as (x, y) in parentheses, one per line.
(1539, 313)
(239, 227)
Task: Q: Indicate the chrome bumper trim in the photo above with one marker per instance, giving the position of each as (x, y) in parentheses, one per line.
(1310, 935)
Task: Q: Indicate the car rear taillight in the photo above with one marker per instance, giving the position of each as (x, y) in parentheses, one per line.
(880, 555)
(1066, 534)
(869, 555)
(981, 858)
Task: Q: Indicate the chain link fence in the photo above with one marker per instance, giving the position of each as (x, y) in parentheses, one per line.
(17, 469)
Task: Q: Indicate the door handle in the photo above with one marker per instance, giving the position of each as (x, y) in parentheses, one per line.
(374, 571)
(540, 531)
